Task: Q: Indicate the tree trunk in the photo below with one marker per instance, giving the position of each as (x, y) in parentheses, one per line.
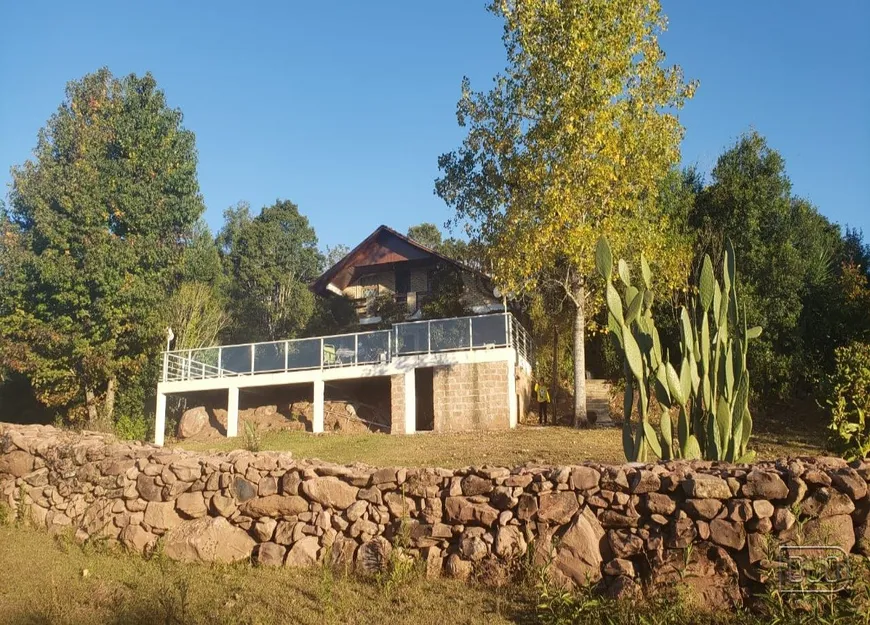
(92, 408)
(554, 383)
(580, 419)
(109, 406)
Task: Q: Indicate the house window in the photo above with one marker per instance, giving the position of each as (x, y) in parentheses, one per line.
(403, 281)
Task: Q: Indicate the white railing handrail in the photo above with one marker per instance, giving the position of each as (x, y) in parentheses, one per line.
(181, 364)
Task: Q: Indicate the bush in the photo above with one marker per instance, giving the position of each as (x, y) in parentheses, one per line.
(848, 398)
(131, 428)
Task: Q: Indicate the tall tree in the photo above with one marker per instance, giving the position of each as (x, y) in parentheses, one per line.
(426, 234)
(787, 250)
(335, 253)
(271, 260)
(570, 145)
(98, 217)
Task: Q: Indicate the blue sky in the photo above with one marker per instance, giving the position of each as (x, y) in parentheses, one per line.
(344, 107)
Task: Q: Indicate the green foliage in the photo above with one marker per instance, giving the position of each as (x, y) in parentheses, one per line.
(426, 234)
(446, 288)
(388, 309)
(333, 314)
(848, 399)
(789, 259)
(131, 428)
(573, 141)
(711, 388)
(92, 242)
(196, 315)
(271, 259)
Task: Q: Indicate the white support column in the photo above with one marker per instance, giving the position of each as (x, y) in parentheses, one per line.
(232, 411)
(410, 402)
(160, 419)
(317, 419)
(512, 391)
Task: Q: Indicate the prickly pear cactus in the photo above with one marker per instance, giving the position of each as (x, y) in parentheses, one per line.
(710, 387)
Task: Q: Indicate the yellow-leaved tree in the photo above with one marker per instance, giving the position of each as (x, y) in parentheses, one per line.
(571, 144)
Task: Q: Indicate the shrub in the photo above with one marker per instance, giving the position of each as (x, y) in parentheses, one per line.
(253, 441)
(131, 428)
(848, 398)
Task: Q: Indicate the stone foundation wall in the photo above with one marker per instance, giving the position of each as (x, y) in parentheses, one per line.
(615, 525)
(471, 397)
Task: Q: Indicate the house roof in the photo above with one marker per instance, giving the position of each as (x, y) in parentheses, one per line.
(383, 246)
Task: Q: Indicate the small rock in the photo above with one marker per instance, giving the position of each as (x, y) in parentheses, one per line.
(271, 554)
(619, 566)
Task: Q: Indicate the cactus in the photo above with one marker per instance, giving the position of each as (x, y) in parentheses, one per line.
(711, 386)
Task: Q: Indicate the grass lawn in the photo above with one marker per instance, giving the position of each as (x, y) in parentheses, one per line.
(545, 445)
(43, 580)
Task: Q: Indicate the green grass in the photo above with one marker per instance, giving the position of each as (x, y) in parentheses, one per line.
(52, 581)
(546, 445)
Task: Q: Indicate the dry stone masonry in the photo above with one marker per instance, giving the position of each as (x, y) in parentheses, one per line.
(620, 526)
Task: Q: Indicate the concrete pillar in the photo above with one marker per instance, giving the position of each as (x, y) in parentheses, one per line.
(232, 412)
(317, 419)
(160, 419)
(410, 402)
(403, 403)
(512, 392)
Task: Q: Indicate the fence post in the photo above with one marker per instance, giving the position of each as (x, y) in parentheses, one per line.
(321, 353)
(220, 362)
(356, 348)
(429, 337)
(470, 333)
(189, 363)
(165, 366)
(253, 351)
(286, 355)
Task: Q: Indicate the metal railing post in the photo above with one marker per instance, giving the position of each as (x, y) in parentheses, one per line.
(507, 330)
(165, 366)
(390, 346)
(321, 352)
(470, 333)
(286, 356)
(429, 337)
(253, 352)
(356, 348)
(220, 372)
(189, 363)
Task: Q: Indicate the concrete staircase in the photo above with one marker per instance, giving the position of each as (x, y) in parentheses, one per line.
(598, 401)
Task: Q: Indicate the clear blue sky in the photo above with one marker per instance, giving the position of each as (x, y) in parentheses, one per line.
(344, 107)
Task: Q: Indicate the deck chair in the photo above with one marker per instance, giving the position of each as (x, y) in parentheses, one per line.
(330, 359)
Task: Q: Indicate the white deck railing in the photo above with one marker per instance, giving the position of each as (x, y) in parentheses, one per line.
(360, 348)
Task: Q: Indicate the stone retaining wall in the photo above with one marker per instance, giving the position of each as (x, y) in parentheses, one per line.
(623, 526)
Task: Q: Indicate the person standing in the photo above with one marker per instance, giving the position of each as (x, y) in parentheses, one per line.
(543, 401)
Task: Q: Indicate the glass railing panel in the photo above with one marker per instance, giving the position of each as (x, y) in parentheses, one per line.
(449, 335)
(303, 354)
(269, 357)
(411, 338)
(373, 347)
(489, 331)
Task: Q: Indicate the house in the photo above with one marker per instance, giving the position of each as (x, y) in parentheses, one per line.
(389, 267)
(464, 367)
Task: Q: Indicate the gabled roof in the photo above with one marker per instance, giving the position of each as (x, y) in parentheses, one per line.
(383, 246)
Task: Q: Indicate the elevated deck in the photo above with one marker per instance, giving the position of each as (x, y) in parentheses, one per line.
(397, 351)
